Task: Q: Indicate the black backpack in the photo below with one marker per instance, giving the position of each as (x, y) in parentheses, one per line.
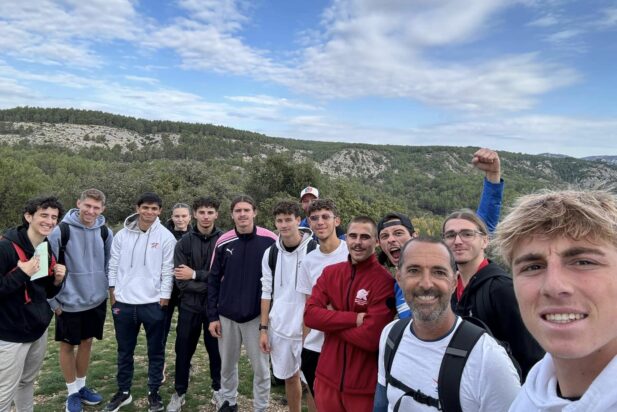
(450, 372)
(65, 235)
(274, 253)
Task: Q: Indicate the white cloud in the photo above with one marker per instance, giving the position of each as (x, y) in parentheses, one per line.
(64, 33)
(14, 94)
(372, 48)
(530, 134)
(564, 35)
(142, 79)
(544, 21)
(533, 134)
(204, 47)
(378, 48)
(609, 18)
(150, 101)
(224, 15)
(263, 100)
(366, 48)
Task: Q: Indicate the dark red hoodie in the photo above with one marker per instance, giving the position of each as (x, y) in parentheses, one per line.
(348, 359)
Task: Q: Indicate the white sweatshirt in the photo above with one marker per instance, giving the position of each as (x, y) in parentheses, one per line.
(288, 307)
(539, 393)
(141, 263)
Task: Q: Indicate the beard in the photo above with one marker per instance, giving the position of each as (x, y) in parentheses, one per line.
(421, 311)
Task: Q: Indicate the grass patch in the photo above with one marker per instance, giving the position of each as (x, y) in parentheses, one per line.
(50, 390)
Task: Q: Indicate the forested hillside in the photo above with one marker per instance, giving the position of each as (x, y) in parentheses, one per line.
(63, 151)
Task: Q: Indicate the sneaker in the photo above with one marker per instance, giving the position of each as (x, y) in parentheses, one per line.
(89, 396)
(226, 407)
(119, 400)
(155, 402)
(73, 403)
(217, 399)
(176, 402)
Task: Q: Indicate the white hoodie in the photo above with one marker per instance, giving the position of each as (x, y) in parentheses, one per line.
(288, 307)
(539, 393)
(141, 263)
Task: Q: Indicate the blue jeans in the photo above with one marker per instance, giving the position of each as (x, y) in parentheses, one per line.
(127, 322)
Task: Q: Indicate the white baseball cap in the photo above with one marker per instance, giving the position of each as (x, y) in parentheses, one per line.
(309, 190)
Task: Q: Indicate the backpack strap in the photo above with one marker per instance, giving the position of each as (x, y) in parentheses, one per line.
(65, 235)
(392, 342)
(20, 252)
(450, 372)
(312, 245)
(272, 258)
(104, 233)
(453, 363)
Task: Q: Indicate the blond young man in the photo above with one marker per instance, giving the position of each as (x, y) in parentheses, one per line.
(562, 247)
(81, 305)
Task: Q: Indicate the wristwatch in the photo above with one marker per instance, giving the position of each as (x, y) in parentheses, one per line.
(263, 327)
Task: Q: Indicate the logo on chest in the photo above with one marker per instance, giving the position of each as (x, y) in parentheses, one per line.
(362, 297)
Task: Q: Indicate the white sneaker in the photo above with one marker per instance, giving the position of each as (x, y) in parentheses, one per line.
(176, 402)
(217, 399)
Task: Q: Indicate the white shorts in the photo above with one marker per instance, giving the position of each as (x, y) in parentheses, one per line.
(286, 355)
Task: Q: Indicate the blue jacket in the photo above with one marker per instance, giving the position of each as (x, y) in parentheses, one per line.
(234, 283)
(86, 259)
(489, 210)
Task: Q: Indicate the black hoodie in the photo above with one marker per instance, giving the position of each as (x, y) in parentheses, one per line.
(172, 228)
(500, 313)
(22, 321)
(195, 250)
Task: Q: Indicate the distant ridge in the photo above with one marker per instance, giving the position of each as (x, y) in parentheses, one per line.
(606, 159)
(554, 155)
(123, 155)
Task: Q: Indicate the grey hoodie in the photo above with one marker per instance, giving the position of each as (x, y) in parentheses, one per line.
(87, 259)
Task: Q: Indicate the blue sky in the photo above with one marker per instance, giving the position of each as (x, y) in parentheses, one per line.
(527, 76)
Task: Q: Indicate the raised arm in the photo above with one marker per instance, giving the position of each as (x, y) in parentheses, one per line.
(489, 208)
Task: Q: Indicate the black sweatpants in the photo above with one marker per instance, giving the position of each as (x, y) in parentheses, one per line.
(190, 326)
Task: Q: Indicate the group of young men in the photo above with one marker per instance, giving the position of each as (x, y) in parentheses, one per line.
(319, 307)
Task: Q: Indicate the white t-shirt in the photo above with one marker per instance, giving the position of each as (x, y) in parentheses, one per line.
(310, 270)
(489, 382)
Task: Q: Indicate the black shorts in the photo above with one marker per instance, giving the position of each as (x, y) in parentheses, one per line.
(73, 327)
(308, 367)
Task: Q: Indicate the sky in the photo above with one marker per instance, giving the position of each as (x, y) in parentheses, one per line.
(529, 76)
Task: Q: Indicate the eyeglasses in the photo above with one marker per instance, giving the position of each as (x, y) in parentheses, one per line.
(466, 235)
(325, 218)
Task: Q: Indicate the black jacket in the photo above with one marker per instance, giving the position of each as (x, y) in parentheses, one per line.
(501, 313)
(24, 311)
(195, 250)
(234, 283)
